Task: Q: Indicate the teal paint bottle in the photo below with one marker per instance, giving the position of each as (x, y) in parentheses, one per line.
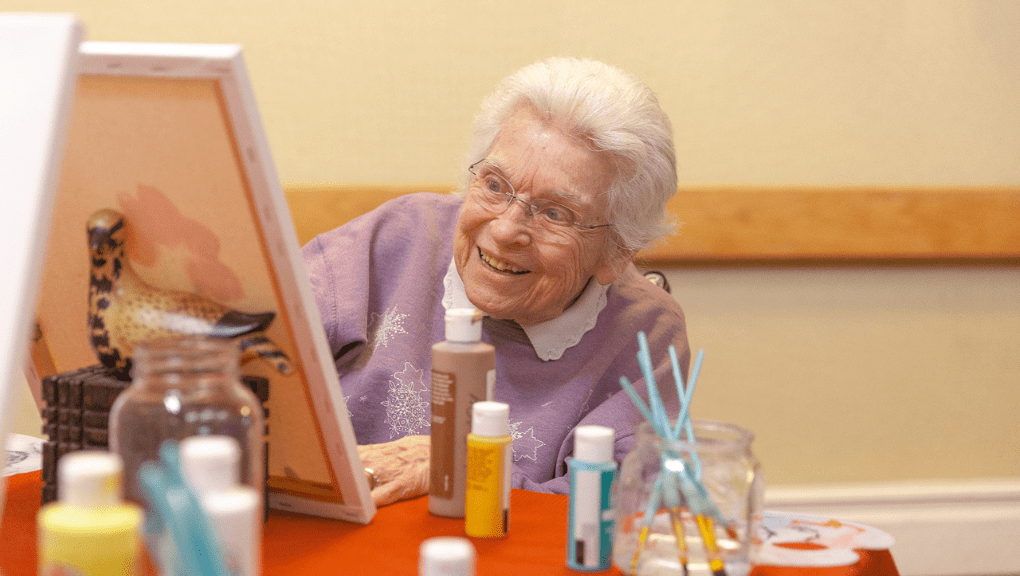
(590, 515)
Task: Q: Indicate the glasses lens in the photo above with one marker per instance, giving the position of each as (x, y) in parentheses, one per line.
(554, 214)
(491, 185)
(493, 190)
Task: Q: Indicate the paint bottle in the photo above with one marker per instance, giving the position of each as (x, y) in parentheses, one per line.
(487, 494)
(211, 466)
(463, 372)
(446, 556)
(89, 530)
(590, 512)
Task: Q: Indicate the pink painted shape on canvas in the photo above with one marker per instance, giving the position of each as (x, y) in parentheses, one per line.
(155, 221)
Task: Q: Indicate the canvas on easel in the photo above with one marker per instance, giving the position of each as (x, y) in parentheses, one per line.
(169, 135)
(37, 68)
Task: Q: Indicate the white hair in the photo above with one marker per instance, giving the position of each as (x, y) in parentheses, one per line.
(614, 113)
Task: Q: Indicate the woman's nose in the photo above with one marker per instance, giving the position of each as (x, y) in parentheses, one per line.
(512, 226)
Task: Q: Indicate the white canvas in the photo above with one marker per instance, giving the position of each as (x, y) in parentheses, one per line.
(171, 133)
(37, 68)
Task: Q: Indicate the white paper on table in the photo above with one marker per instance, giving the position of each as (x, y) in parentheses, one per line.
(24, 454)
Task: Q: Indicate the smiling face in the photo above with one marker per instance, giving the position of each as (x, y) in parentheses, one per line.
(512, 267)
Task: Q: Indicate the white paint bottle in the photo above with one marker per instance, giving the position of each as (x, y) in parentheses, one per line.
(463, 372)
(211, 466)
(446, 556)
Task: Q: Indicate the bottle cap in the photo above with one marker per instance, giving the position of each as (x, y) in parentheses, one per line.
(211, 463)
(464, 325)
(446, 556)
(90, 478)
(490, 419)
(594, 443)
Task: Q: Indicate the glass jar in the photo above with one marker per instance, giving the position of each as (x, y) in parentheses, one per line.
(184, 387)
(659, 492)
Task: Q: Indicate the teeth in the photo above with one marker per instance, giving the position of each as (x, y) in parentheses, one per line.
(500, 265)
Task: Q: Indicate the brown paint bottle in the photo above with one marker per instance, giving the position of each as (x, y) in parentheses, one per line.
(463, 372)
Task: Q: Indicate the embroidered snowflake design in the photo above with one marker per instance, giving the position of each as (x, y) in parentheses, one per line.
(524, 443)
(584, 407)
(407, 411)
(384, 326)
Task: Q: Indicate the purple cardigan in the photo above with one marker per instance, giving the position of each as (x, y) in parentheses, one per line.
(378, 282)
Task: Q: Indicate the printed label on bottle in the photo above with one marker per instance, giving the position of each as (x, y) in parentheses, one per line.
(590, 521)
(59, 569)
(443, 432)
(490, 384)
(483, 459)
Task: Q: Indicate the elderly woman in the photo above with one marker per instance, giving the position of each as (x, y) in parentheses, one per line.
(567, 178)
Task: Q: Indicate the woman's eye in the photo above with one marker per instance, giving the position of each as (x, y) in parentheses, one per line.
(557, 214)
(494, 185)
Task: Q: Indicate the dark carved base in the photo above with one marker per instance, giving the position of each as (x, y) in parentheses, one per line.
(76, 415)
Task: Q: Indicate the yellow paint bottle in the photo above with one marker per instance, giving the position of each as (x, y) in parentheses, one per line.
(487, 495)
(89, 530)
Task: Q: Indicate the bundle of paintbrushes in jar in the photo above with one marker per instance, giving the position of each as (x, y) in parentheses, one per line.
(688, 495)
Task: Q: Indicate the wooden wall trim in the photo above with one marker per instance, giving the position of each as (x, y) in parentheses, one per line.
(843, 223)
(317, 208)
(748, 224)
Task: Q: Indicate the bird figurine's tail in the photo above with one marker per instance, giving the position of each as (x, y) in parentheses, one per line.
(258, 346)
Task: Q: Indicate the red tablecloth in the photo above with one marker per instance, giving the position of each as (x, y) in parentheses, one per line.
(308, 546)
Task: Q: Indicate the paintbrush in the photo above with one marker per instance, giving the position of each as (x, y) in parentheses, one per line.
(678, 482)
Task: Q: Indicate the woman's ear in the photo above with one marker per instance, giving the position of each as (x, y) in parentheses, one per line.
(613, 265)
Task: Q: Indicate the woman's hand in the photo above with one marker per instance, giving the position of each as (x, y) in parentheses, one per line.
(401, 468)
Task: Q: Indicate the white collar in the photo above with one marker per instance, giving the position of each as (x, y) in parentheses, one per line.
(551, 338)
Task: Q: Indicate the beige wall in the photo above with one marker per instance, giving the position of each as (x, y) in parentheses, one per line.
(862, 373)
(845, 373)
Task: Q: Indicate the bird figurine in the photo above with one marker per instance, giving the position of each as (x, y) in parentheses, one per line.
(124, 310)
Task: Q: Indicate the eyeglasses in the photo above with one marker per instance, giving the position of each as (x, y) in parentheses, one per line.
(495, 193)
